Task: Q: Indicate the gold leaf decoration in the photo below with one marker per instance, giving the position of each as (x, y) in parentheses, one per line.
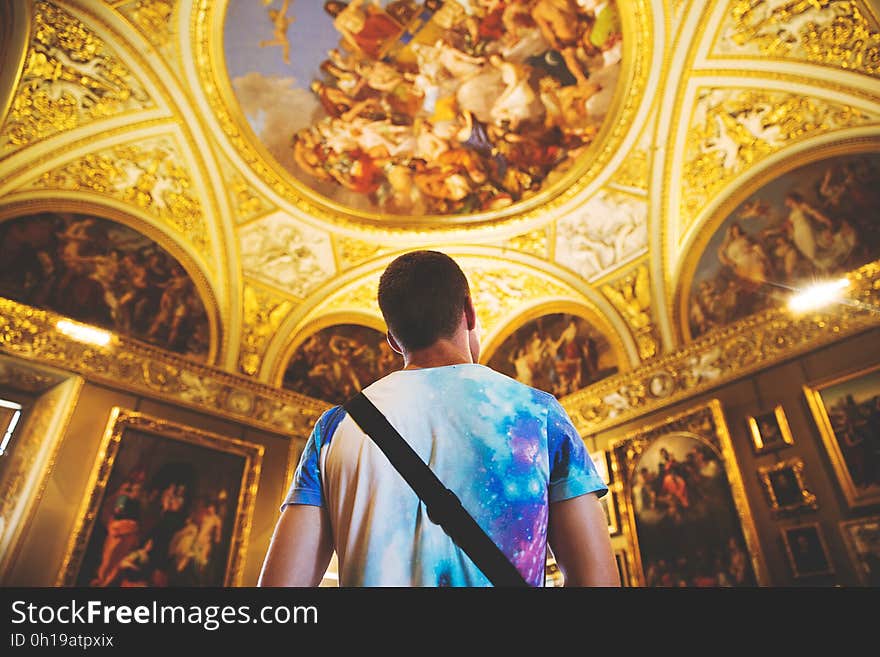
(70, 78)
(836, 33)
(631, 296)
(733, 129)
(263, 313)
(148, 174)
(534, 242)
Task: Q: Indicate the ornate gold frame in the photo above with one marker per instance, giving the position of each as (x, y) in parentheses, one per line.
(791, 559)
(207, 37)
(122, 419)
(813, 393)
(699, 238)
(807, 499)
(758, 440)
(699, 419)
(852, 548)
(622, 559)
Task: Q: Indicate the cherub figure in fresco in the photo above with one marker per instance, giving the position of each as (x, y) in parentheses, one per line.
(567, 28)
(281, 21)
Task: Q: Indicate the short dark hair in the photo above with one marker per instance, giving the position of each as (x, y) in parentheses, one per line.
(422, 295)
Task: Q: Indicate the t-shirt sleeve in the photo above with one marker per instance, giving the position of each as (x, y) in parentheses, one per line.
(306, 485)
(572, 471)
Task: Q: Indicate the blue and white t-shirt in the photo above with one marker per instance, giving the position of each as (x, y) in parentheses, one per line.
(506, 449)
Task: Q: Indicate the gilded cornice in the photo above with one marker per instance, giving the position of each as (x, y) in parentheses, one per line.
(723, 355)
(31, 334)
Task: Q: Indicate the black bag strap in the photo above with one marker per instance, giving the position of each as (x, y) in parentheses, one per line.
(443, 506)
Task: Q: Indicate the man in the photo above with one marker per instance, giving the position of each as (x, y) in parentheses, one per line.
(507, 450)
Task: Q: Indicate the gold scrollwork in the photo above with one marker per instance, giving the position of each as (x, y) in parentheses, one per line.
(631, 296)
(149, 175)
(248, 204)
(634, 171)
(733, 129)
(70, 78)
(263, 313)
(153, 18)
(534, 242)
(837, 33)
(31, 334)
(725, 354)
(352, 252)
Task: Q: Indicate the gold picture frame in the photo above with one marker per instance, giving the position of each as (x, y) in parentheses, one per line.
(621, 558)
(609, 505)
(770, 431)
(846, 410)
(785, 486)
(667, 540)
(862, 539)
(166, 505)
(806, 550)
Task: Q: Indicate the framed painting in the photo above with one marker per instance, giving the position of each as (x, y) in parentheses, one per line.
(862, 538)
(167, 505)
(785, 486)
(683, 501)
(847, 412)
(600, 460)
(770, 431)
(806, 550)
(610, 507)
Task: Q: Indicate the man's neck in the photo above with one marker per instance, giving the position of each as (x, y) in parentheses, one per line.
(441, 353)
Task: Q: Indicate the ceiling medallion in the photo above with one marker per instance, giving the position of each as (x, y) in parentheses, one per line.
(427, 115)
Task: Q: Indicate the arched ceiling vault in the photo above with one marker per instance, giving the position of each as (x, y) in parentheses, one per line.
(717, 94)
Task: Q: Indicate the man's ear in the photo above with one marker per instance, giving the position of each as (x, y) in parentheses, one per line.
(470, 314)
(393, 343)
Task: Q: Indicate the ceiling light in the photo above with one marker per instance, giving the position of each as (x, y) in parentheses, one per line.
(817, 295)
(83, 333)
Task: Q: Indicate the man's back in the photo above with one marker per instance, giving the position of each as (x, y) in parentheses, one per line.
(500, 445)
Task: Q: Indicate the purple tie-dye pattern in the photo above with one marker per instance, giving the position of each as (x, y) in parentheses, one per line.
(506, 449)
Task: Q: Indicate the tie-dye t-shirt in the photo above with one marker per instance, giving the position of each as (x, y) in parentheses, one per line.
(507, 450)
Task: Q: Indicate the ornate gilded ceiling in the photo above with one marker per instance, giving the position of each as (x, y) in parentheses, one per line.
(126, 110)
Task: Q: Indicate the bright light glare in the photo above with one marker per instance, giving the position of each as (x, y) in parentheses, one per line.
(82, 333)
(7, 433)
(818, 295)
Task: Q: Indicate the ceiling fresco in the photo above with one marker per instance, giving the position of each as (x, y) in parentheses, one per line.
(569, 153)
(434, 108)
(810, 224)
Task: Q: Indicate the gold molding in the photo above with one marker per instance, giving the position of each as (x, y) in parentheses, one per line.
(694, 422)
(206, 30)
(126, 364)
(33, 458)
(121, 419)
(724, 355)
(630, 294)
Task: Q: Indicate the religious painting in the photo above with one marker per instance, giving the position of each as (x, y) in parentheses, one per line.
(806, 550)
(862, 538)
(338, 361)
(815, 222)
(559, 353)
(785, 486)
(399, 107)
(167, 506)
(685, 505)
(847, 412)
(102, 273)
(770, 431)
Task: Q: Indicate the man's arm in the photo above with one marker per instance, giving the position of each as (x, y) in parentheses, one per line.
(300, 549)
(578, 536)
